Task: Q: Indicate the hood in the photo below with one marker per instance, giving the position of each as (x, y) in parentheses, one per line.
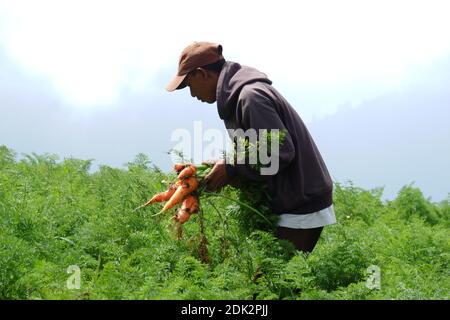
(231, 80)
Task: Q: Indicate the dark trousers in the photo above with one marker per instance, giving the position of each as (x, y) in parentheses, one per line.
(303, 239)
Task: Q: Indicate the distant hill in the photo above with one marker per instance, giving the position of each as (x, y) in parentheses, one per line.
(395, 139)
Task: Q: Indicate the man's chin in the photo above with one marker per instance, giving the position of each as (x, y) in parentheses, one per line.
(210, 101)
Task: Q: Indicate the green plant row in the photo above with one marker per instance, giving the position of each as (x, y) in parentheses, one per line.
(55, 214)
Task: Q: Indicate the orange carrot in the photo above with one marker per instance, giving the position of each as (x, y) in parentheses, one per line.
(187, 172)
(190, 184)
(182, 216)
(179, 166)
(195, 207)
(188, 207)
(187, 186)
(162, 196)
(190, 204)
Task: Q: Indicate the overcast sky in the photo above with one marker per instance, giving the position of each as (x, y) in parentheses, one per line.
(86, 78)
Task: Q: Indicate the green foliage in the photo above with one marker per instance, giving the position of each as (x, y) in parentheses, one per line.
(16, 257)
(56, 213)
(257, 150)
(410, 203)
(340, 263)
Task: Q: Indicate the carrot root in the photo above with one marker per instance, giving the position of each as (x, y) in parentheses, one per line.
(189, 171)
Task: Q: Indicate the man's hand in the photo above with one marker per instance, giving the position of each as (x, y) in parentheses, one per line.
(217, 178)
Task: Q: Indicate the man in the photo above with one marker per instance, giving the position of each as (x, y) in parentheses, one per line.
(301, 189)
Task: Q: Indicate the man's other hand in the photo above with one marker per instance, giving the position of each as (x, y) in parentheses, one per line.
(217, 178)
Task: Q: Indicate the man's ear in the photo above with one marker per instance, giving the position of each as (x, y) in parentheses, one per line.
(203, 72)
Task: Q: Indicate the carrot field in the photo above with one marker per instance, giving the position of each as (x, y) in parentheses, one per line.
(69, 232)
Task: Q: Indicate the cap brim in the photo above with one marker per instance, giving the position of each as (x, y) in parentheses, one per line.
(176, 83)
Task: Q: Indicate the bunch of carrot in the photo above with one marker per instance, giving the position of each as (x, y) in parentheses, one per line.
(182, 191)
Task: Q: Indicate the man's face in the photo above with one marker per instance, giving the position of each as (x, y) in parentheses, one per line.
(203, 84)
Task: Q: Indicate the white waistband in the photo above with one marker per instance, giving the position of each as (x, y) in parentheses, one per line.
(317, 219)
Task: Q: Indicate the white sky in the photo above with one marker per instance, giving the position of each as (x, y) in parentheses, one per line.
(91, 49)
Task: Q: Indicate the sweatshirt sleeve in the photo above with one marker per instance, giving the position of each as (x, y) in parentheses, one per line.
(258, 111)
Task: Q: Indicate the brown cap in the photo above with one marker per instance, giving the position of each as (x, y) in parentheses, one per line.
(196, 55)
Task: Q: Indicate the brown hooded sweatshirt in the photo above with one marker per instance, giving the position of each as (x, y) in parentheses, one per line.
(246, 99)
